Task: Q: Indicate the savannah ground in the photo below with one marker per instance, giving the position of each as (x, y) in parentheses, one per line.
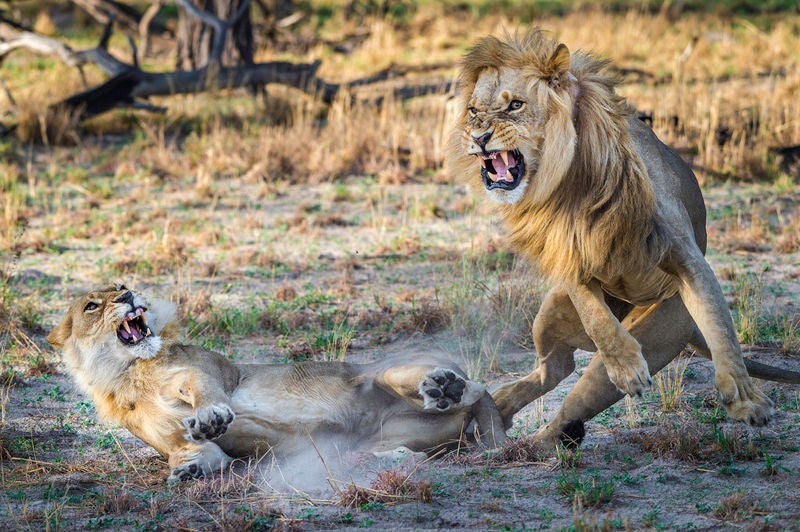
(287, 230)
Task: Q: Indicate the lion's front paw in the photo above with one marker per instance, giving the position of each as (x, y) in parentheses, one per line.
(208, 422)
(743, 400)
(441, 389)
(629, 374)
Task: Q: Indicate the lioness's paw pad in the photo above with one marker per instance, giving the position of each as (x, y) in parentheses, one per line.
(441, 389)
(185, 472)
(208, 422)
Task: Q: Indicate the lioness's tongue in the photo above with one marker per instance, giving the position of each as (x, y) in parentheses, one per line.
(501, 167)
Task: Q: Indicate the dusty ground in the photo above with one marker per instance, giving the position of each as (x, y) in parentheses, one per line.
(375, 253)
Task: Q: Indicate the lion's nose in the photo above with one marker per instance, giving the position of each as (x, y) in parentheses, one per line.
(483, 139)
(126, 297)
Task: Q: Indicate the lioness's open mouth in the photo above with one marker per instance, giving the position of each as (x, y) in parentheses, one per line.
(133, 328)
(502, 169)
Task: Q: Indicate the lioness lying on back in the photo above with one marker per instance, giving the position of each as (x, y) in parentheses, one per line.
(199, 410)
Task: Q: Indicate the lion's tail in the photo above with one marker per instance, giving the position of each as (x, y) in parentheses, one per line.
(755, 369)
(771, 373)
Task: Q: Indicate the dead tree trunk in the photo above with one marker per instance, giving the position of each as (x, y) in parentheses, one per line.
(196, 39)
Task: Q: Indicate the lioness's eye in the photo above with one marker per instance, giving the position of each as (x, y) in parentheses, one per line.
(90, 306)
(515, 105)
(471, 111)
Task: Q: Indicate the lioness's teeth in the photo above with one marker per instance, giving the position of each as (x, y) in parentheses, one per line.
(504, 156)
(127, 327)
(148, 332)
(144, 318)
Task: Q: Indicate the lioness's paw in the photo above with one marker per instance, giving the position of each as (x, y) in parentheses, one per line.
(185, 472)
(441, 389)
(202, 466)
(208, 422)
(743, 400)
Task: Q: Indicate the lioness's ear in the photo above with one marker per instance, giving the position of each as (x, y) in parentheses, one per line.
(558, 64)
(58, 336)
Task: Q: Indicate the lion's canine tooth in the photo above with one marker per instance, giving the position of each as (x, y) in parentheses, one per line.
(144, 318)
(504, 156)
(127, 327)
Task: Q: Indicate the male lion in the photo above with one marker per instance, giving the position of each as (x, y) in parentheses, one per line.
(613, 217)
(198, 409)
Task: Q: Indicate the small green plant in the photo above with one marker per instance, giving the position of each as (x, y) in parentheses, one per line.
(107, 442)
(771, 465)
(591, 492)
(308, 514)
(336, 342)
(669, 384)
(749, 299)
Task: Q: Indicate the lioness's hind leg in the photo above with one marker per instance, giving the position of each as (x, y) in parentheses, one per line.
(441, 389)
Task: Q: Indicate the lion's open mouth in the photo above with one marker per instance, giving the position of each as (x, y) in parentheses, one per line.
(502, 169)
(133, 328)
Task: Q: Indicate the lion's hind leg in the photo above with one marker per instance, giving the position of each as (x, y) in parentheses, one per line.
(594, 392)
(557, 333)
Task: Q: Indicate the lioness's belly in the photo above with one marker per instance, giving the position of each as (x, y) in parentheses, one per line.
(273, 412)
(644, 288)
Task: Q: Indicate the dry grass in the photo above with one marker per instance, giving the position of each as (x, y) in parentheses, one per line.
(513, 452)
(738, 507)
(690, 441)
(390, 486)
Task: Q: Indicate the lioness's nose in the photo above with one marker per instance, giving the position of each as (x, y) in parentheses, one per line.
(126, 297)
(483, 139)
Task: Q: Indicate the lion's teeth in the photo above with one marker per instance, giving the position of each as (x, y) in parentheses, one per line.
(126, 326)
(144, 318)
(504, 156)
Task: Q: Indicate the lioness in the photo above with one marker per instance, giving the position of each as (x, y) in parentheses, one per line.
(610, 214)
(199, 410)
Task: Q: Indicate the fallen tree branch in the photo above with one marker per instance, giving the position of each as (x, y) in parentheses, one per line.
(129, 85)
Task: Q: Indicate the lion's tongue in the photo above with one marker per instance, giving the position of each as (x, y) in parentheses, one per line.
(501, 167)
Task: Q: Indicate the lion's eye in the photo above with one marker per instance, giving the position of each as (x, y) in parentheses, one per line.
(90, 306)
(471, 111)
(515, 105)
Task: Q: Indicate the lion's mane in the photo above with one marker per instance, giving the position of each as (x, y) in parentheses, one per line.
(589, 210)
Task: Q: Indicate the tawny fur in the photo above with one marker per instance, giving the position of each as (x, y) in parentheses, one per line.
(609, 214)
(199, 410)
(599, 221)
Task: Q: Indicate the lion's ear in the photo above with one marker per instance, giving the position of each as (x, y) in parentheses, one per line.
(558, 64)
(59, 336)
